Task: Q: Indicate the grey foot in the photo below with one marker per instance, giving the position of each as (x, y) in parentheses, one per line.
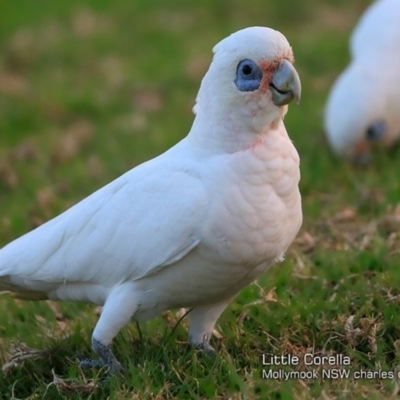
(207, 349)
(107, 359)
(89, 363)
(205, 346)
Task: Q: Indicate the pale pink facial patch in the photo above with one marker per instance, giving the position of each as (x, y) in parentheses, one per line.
(361, 147)
(269, 67)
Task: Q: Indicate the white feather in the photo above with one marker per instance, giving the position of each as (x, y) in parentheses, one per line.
(189, 228)
(367, 91)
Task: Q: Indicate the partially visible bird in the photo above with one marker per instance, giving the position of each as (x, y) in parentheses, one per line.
(191, 227)
(363, 107)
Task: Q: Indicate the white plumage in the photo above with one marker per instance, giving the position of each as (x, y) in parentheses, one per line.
(191, 227)
(364, 103)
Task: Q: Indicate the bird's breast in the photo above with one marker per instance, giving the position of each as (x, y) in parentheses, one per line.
(253, 214)
(256, 212)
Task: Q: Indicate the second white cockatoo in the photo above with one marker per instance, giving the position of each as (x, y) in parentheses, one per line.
(363, 107)
(191, 227)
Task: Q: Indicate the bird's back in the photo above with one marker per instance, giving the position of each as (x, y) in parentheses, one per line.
(378, 32)
(110, 236)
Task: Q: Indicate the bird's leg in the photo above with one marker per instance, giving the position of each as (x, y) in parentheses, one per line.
(117, 311)
(107, 358)
(201, 322)
(206, 346)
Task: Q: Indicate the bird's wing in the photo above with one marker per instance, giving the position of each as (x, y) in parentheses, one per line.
(143, 221)
(377, 32)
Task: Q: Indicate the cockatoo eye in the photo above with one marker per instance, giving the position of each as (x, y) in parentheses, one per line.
(248, 76)
(375, 131)
(246, 69)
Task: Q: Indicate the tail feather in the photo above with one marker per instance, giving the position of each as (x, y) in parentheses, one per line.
(6, 284)
(16, 291)
(36, 296)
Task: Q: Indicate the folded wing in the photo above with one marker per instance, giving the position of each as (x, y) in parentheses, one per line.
(138, 224)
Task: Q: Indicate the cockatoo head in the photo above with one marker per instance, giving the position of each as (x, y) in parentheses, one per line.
(355, 115)
(250, 81)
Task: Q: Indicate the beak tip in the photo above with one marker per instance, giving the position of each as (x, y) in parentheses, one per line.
(286, 84)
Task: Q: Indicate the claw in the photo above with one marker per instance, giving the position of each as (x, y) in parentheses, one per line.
(88, 363)
(206, 347)
(107, 359)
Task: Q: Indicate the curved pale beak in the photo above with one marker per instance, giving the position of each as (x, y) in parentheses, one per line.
(285, 84)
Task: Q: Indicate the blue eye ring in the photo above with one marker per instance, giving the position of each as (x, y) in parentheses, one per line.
(248, 76)
(376, 131)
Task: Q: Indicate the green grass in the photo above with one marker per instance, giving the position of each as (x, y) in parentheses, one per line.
(89, 89)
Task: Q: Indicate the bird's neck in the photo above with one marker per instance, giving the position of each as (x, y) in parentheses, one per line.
(231, 134)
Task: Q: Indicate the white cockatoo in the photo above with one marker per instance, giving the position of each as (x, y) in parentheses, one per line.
(191, 227)
(364, 104)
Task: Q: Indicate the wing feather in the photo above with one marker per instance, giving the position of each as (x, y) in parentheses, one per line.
(140, 223)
